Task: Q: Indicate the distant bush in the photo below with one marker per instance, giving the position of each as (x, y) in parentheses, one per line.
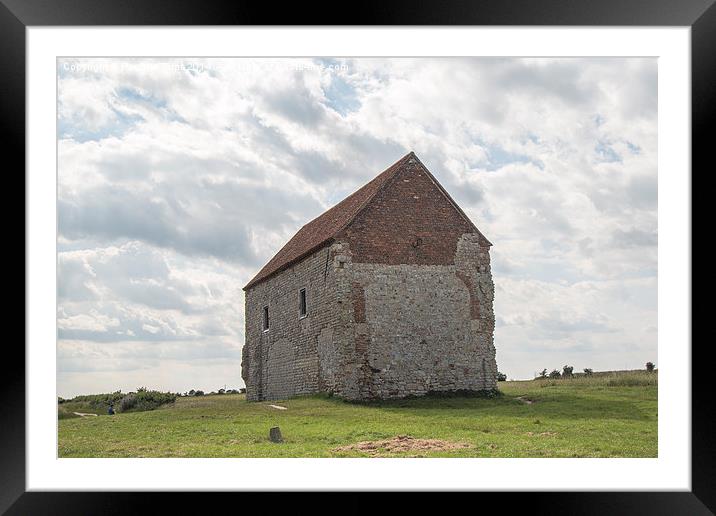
(567, 371)
(198, 393)
(650, 366)
(542, 374)
(242, 390)
(127, 403)
(501, 377)
(554, 374)
(145, 400)
(588, 371)
(98, 402)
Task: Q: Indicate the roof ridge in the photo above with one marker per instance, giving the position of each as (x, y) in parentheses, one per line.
(393, 169)
(324, 228)
(393, 166)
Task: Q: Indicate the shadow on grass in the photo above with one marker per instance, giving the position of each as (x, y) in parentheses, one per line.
(549, 405)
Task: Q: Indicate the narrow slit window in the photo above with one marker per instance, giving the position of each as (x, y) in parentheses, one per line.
(265, 321)
(302, 302)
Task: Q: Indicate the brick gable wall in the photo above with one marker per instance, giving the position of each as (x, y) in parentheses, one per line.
(408, 222)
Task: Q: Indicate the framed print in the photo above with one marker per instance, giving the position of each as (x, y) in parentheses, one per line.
(444, 248)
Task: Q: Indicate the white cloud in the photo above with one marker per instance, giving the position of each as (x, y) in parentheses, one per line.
(92, 321)
(179, 179)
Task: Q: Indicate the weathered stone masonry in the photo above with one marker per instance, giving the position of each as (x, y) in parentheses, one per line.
(399, 299)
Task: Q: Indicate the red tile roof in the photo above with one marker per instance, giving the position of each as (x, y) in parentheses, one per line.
(321, 230)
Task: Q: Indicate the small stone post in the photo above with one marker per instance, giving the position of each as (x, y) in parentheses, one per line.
(275, 435)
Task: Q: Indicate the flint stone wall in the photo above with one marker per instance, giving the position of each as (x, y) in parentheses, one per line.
(296, 355)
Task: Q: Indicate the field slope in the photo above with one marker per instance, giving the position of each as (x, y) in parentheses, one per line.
(563, 418)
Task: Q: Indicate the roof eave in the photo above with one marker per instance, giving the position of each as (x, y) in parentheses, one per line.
(256, 280)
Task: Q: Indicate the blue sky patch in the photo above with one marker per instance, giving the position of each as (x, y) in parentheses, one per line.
(76, 130)
(605, 153)
(634, 149)
(498, 157)
(341, 96)
(136, 96)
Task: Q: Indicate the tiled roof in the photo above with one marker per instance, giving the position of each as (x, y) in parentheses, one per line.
(323, 228)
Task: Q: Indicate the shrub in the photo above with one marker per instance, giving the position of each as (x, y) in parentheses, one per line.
(145, 400)
(98, 402)
(501, 377)
(242, 390)
(650, 366)
(127, 403)
(567, 371)
(588, 371)
(198, 393)
(554, 374)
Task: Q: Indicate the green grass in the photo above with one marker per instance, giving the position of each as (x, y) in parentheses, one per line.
(607, 379)
(576, 418)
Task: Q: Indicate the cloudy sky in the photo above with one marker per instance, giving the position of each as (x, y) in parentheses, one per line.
(178, 179)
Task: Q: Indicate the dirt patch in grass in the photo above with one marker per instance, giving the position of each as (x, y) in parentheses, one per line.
(542, 433)
(400, 444)
(526, 401)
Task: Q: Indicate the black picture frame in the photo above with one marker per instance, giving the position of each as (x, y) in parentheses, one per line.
(17, 15)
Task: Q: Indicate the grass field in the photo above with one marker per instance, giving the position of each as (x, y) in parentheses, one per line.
(601, 416)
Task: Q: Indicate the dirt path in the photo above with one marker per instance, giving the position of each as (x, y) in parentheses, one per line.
(83, 414)
(401, 443)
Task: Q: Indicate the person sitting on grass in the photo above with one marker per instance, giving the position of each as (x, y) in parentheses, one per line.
(110, 410)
